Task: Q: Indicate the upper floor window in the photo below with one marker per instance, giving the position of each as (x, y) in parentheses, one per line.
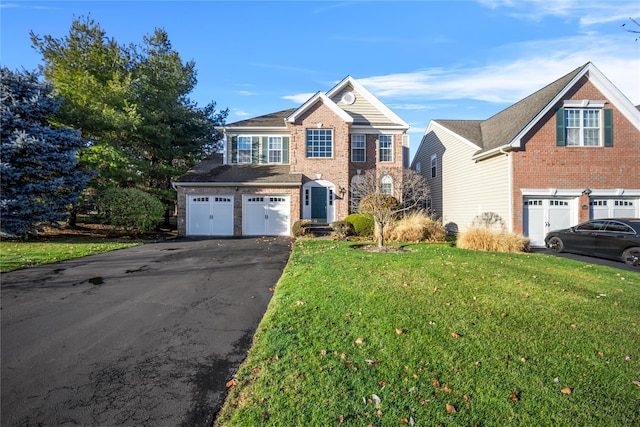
(244, 149)
(584, 123)
(358, 148)
(386, 148)
(319, 143)
(275, 149)
(583, 127)
(434, 165)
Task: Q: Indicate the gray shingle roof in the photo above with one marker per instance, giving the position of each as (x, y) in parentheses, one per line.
(212, 172)
(503, 127)
(268, 120)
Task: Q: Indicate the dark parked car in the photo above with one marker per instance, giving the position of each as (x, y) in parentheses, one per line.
(615, 238)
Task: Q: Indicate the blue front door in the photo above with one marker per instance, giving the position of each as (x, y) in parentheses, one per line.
(318, 204)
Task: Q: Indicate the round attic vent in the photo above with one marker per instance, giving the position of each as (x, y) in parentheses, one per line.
(348, 98)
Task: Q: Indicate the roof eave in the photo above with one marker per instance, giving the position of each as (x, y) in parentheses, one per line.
(503, 149)
(235, 184)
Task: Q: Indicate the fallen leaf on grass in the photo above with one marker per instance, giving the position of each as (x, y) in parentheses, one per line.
(359, 341)
(450, 409)
(232, 383)
(566, 390)
(455, 335)
(399, 331)
(515, 396)
(636, 383)
(300, 303)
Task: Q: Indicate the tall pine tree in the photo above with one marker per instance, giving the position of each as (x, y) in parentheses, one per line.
(40, 173)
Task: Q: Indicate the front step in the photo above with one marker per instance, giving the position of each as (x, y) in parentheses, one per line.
(320, 230)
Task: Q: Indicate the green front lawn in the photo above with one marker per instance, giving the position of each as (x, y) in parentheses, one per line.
(441, 335)
(16, 255)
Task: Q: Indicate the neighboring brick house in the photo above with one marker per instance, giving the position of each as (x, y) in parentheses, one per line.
(565, 154)
(290, 165)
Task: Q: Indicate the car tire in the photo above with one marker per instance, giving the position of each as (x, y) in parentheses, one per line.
(632, 257)
(556, 244)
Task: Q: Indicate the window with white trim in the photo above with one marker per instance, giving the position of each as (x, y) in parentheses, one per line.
(275, 149)
(358, 148)
(386, 185)
(319, 143)
(244, 149)
(434, 165)
(385, 148)
(583, 127)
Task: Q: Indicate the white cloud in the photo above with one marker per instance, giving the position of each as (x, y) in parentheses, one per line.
(525, 68)
(246, 93)
(591, 12)
(299, 98)
(240, 113)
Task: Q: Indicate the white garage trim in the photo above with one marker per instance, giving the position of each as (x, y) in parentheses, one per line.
(266, 215)
(209, 215)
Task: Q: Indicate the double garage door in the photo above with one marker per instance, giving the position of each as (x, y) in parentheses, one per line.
(542, 215)
(213, 215)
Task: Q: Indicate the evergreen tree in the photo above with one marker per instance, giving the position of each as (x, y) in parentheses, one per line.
(39, 168)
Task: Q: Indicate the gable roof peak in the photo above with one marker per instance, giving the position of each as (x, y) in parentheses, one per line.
(320, 97)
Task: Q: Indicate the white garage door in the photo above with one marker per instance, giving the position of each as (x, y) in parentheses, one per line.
(210, 216)
(265, 215)
(543, 215)
(614, 208)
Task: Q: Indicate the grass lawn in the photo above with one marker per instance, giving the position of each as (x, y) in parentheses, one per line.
(17, 255)
(442, 336)
(61, 244)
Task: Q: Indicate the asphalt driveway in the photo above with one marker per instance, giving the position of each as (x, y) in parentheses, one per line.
(142, 336)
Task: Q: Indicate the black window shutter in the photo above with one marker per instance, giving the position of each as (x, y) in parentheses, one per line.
(255, 146)
(560, 131)
(608, 127)
(234, 149)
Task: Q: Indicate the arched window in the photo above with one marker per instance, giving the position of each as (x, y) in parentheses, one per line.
(386, 185)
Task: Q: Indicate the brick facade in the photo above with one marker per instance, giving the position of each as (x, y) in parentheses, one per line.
(542, 164)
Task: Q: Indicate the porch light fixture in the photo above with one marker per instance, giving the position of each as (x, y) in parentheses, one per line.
(341, 190)
(586, 191)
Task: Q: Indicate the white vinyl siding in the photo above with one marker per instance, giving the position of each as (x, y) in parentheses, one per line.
(462, 198)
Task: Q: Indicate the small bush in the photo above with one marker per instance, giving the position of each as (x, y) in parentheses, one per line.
(130, 208)
(342, 229)
(362, 224)
(300, 228)
(489, 220)
(485, 239)
(417, 227)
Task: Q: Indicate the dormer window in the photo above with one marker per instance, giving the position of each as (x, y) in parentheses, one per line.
(584, 123)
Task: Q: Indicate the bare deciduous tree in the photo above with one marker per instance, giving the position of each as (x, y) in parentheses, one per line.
(386, 193)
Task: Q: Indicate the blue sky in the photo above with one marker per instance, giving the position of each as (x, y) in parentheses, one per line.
(424, 59)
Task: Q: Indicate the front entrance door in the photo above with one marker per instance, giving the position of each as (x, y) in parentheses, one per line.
(319, 204)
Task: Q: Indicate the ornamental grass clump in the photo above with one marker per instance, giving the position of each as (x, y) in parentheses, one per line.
(417, 227)
(489, 240)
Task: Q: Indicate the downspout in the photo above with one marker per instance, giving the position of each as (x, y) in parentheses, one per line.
(509, 187)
